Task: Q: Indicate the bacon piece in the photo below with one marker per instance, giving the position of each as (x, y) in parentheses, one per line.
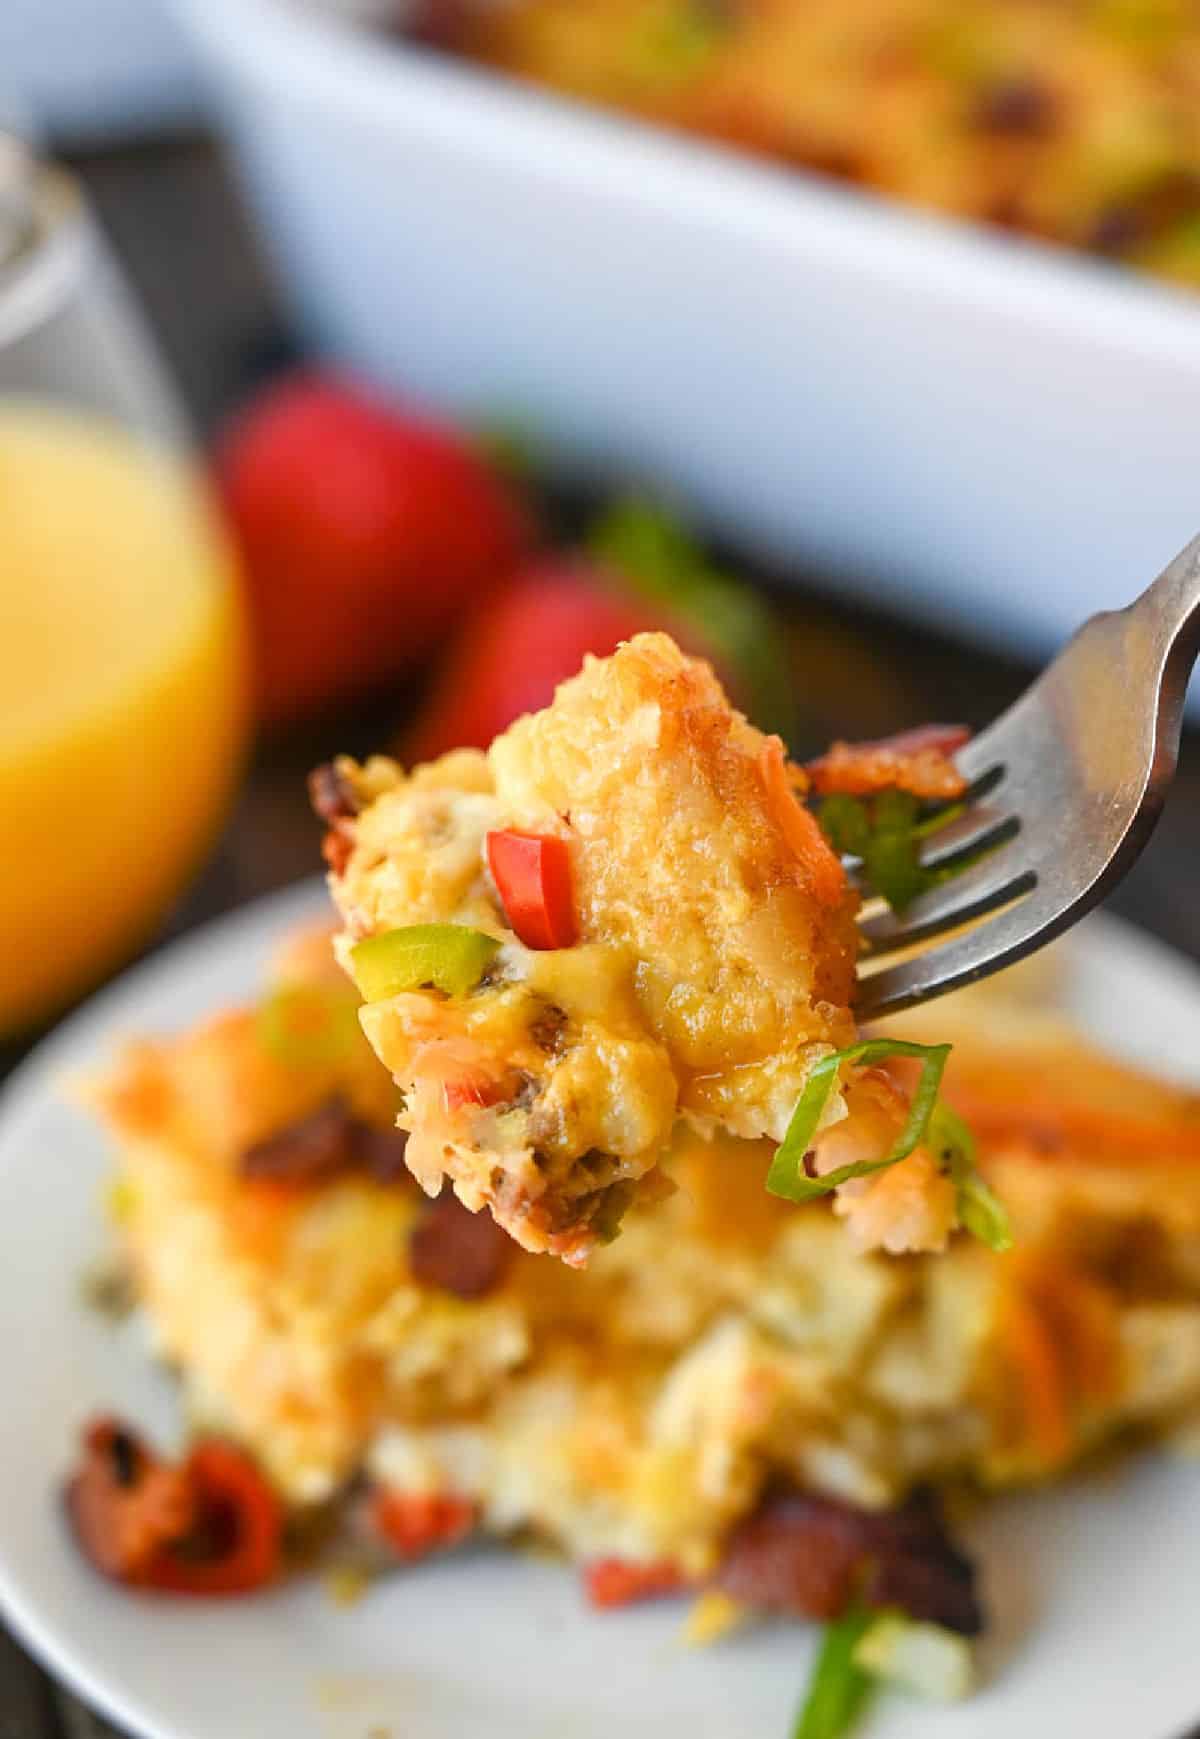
(918, 761)
(335, 802)
(331, 794)
(1020, 106)
(460, 1252)
(381, 1153)
(812, 1556)
(611, 1582)
(328, 1143)
(914, 1564)
(313, 1150)
(795, 1554)
(124, 1503)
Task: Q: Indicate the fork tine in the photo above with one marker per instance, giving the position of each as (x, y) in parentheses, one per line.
(990, 945)
(994, 881)
(1085, 757)
(979, 827)
(982, 763)
(984, 759)
(982, 828)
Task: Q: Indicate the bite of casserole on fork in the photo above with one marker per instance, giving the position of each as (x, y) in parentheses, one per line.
(619, 918)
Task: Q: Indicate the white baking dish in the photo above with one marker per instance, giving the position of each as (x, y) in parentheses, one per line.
(982, 431)
(95, 69)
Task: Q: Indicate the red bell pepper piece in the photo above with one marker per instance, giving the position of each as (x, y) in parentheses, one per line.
(611, 1582)
(235, 1544)
(532, 873)
(417, 1524)
(462, 1090)
(212, 1525)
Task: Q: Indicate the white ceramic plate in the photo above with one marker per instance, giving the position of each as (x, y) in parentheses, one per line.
(1092, 1589)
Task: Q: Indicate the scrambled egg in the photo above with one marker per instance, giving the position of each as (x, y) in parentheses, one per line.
(725, 1341)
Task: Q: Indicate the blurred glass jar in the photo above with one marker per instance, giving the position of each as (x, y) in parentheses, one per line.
(122, 691)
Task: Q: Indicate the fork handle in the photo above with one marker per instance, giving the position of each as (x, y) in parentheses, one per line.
(1172, 602)
(1168, 615)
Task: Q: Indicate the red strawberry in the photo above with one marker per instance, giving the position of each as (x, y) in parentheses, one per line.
(364, 531)
(511, 656)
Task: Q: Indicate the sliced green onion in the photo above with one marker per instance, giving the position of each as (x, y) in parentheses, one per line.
(886, 831)
(892, 859)
(307, 1024)
(983, 1213)
(919, 1656)
(787, 1176)
(447, 957)
(940, 818)
(839, 1688)
(845, 823)
(979, 1208)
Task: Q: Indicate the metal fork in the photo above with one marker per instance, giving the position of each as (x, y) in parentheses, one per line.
(1065, 789)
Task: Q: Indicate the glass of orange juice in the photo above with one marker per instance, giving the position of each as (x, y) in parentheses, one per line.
(122, 695)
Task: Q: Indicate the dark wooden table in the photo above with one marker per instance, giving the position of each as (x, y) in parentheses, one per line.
(172, 216)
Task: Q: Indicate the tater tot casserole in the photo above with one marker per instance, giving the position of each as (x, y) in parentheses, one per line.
(729, 1400)
(552, 1196)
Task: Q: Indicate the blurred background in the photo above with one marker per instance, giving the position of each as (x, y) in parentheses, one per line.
(362, 365)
